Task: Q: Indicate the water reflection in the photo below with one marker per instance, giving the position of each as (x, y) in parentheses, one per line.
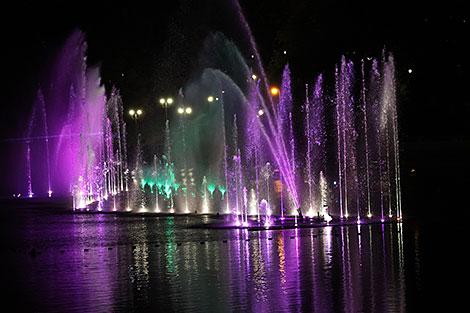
(159, 263)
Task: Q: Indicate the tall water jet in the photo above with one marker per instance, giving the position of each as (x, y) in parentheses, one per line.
(155, 164)
(366, 141)
(317, 138)
(308, 156)
(389, 124)
(205, 200)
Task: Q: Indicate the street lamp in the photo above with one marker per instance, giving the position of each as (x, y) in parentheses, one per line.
(135, 114)
(166, 103)
(184, 111)
(274, 91)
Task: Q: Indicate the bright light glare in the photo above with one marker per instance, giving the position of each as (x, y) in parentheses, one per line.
(260, 112)
(254, 77)
(210, 99)
(162, 101)
(131, 112)
(180, 110)
(327, 218)
(169, 100)
(274, 91)
(189, 110)
(139, 112)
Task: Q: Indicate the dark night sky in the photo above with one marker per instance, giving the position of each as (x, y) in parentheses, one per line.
(154, 45)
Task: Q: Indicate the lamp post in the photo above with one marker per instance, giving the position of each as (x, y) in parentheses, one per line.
(184, 111)
(166, 103)
(135, 114)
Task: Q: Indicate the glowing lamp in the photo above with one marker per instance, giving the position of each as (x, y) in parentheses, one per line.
(254, 77)
(180, 110)
(169, 100)
(162, 101)
(260, 112)
(131, 112)
(189, 110)
(274, 91)
(210, 99)
(139, 112)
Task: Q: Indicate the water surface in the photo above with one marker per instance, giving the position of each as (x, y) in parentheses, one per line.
(106, 263)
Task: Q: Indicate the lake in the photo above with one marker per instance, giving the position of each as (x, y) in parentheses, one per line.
(57, 261)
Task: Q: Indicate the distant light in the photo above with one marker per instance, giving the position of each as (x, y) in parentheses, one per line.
(169, 100)
(274, 91)
(162, 101)
(285, 51)
(327, 218)
(180, 110)
(132, 112)
(260, 112)
(335, 182)
(252, 56)
(410, 71)
(223, 91)
(310, 213)
(413, 170)
(139, 112)
(210, 99)
(50, 193)
(189, 110)
(254, 77)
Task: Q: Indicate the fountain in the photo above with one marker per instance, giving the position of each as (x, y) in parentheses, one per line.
(83, 133)
(238, 153)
